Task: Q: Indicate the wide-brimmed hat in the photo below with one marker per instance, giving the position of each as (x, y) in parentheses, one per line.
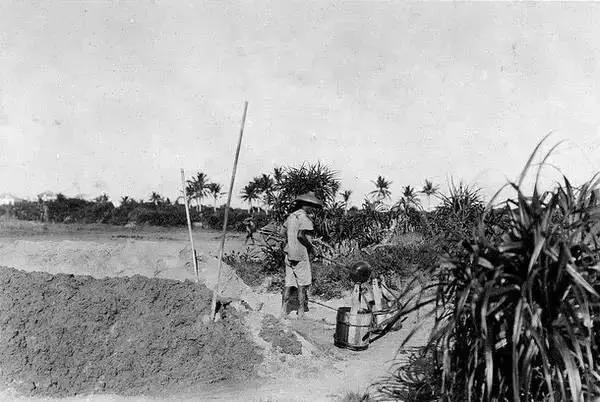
(309, 198)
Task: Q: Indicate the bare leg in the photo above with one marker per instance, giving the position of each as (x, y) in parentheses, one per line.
(285, 300)
(302, 300)
(306, 289)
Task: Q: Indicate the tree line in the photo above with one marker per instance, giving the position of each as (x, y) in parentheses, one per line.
(265, 191)
(268, 195)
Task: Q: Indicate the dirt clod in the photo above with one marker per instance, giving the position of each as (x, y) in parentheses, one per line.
(283, 341)
(63, 335)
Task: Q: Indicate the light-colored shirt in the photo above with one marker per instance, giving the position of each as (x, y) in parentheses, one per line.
(296, 222)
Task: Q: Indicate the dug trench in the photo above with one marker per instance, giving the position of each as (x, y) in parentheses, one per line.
(65, 334)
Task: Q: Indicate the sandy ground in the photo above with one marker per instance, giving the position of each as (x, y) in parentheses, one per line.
(205, 241)
(323, 373)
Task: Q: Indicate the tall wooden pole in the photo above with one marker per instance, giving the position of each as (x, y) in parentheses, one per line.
(189, 223)
(235, 162)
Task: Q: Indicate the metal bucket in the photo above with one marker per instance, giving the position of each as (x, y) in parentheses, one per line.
(352, 330)
(380, 319)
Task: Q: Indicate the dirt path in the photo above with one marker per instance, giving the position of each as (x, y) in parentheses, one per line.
(353, 372)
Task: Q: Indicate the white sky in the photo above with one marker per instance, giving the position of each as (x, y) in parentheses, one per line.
(115, 97)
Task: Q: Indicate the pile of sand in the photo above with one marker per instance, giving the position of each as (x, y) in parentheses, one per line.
(66, 335)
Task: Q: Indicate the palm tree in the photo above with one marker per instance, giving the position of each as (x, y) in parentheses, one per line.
(197, 188)
(125, 200)
(407, 204)
(411, 197)
(372, 206)
(429, 189)
(214, 189)
(250, 193)
(278, 185)
(382, 189)
(101, 199)
(156, 198)
(346, 197)
(265, 186)
(278, 175)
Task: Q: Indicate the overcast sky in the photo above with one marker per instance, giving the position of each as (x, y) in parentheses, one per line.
(115, 97)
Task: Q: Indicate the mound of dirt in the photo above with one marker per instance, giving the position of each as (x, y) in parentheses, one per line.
(64, 335)
(282, 340)
(164, 259)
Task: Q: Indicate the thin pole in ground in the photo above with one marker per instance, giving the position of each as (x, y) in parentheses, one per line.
(213, 310)
(189, 224)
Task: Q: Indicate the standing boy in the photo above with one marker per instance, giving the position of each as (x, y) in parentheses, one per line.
(298, 228)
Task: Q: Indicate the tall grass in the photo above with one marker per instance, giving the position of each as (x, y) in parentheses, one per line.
(517, 312)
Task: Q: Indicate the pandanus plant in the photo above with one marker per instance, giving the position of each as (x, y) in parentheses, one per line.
(516, 315)
(517, 323)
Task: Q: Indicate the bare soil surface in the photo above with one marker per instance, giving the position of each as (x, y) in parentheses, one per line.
(101, 254)
(11, 229)
(111, 256)
(280, 338)
(65, 335)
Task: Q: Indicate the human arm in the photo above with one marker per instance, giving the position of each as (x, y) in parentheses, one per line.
(304, 239)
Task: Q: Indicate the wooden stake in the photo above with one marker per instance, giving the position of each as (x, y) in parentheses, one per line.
(377, 295)
(355, 302)
(213, 310)
(189, 223)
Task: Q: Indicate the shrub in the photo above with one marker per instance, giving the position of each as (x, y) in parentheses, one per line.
(273, 257)
(294, 181)
(235, 219)
(457, 215)
(329, 281)
(403, 261)
(163, 215)
(366, 227)
(27, 210)
(64, 209)
(418, 380)
(247, 266)
(96, 212)
(516, 312)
